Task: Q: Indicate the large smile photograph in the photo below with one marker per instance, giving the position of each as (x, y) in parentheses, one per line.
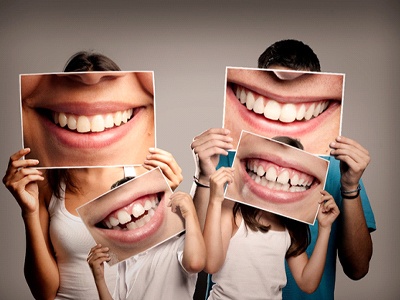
(274, 176)
(88, 118)
(304, 105)
(132, 217)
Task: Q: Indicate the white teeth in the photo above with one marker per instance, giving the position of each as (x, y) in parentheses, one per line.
(274, 110)
(63, 120)
(147, 205)
(283, 181)
(283, 177)
(131, 226)
(301, 112)
(97, 123)
(250, 101)
(288, 113)
(114, 221)
(118, 118)
(271, 174)
(309, 112)
(123, 216)
(71, 123)
(139, 213)
(83, 124)
(259, 106)
(109, 121)
(137, 210)
(294, 180)
(260, 171)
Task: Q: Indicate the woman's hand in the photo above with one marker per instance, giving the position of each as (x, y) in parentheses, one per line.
(21, 180)
(207, 147)
(167, 164)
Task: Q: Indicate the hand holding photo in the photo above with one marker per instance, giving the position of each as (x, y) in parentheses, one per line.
(103, 118)
(133, 217)
(274, 175)
(303, 105)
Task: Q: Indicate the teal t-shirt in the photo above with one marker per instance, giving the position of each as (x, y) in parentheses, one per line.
(326, 288)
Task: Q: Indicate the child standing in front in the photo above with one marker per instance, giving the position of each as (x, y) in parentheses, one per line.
(167, 271)
(246, 247)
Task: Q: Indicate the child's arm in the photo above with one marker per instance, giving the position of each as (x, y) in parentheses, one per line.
(194, 252)
(308, 272)
(218, 225)
(96, 258)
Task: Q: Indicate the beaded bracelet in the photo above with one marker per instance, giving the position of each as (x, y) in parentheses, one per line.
(346, 193)
(199, 184)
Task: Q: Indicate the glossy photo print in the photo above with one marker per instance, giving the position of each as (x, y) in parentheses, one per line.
(89, 118)
(133, 217)
(304, 105)
(276, 176)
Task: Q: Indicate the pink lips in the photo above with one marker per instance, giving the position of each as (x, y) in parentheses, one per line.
(92, 140)
(262, 124)
(270, 195)
(127, 237)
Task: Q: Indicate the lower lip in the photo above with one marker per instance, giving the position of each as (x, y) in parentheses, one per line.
(91, 140)
(268, 195)
(125, 238)
(263, 125)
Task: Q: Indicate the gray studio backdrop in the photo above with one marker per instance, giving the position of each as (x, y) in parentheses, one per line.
(188, 45)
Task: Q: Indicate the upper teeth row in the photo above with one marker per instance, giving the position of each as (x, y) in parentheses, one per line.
(95, 123)
(284, 177)
(274, 110)
(124, 215)
(274, 185)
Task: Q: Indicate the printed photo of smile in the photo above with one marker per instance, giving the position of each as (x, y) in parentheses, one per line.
(132, 217)
(304, 105)
(88, 118)
(276, 177)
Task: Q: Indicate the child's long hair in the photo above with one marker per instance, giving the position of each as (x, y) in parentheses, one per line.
(299, 232)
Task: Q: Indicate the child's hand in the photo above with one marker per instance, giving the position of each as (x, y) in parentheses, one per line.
(167, 164)
(328, 211)
(183, 202)
(218, 181)
(96, 258)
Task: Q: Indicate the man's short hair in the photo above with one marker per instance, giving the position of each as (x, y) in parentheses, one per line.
(292, 54)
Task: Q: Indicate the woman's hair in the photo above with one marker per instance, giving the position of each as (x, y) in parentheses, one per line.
(85, 61)
(299, 232)
(292, 54)
(82, 61)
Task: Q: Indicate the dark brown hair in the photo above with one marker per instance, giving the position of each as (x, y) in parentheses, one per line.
(292, 54)
(299, 232)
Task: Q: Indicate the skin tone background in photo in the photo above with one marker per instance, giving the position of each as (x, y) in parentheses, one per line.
(159, 226)
(255, 152)
(303, 105)
(189, 45)
(80, 119)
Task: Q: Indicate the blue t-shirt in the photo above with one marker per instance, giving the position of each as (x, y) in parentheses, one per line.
(327, 286)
